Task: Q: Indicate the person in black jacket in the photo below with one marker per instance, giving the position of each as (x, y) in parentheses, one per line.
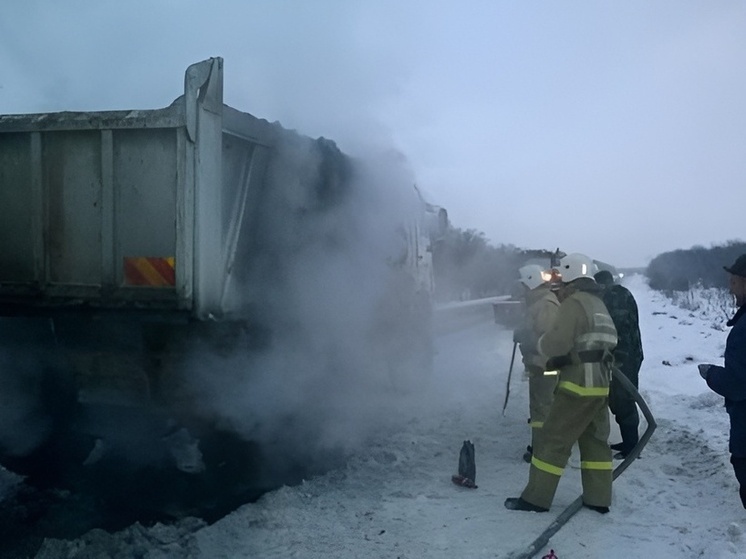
(628, 356)
(730, 380)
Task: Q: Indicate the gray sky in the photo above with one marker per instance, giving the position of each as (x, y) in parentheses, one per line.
(617, 129)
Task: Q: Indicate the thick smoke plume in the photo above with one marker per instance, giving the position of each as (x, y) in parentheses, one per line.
(337, 337)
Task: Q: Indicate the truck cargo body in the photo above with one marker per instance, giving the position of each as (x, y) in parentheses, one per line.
(129, 238)
(128, 208)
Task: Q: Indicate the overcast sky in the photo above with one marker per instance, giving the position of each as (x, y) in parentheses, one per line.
(617, 129)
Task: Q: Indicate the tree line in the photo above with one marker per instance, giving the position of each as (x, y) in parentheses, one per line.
(467, 266)
(681, 269)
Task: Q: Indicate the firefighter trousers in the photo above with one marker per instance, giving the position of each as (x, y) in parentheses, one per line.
(584, 419)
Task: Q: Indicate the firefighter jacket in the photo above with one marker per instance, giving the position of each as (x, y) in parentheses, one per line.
(541, 310)
(623, 310)
(580, 342)
(730, 382)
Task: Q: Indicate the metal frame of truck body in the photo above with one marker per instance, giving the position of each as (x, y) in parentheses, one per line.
(135, 185)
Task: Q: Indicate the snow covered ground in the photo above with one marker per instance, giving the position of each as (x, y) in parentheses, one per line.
(394, 498)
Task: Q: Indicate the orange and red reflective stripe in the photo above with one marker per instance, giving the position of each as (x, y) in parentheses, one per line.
(149, 271)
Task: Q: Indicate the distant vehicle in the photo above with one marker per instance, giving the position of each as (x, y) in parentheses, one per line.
(133, 242)
(509, 310)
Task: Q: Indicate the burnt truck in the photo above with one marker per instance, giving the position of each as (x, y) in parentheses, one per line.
(188, 289)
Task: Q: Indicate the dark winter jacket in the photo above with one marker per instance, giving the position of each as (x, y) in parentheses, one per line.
(623, 310)
(730, 382)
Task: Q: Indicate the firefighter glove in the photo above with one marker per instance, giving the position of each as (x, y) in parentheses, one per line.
(557, 362)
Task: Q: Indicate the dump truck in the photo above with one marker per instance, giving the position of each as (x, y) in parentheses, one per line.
(166, 274)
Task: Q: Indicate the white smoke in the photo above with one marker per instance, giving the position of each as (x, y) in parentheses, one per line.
(323, 279)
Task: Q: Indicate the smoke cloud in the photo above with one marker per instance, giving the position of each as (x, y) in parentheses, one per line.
(323, 284)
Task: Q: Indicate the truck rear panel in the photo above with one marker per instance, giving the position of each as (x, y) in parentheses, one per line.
(86, 198)
(129, 209)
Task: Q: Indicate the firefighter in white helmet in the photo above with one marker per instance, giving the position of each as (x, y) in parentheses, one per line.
(541, 310)
(579, 345)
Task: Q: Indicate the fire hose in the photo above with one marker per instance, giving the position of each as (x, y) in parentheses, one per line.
(540, 542)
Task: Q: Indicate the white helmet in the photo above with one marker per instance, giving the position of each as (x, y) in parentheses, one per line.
(532, 275)
(576, 265)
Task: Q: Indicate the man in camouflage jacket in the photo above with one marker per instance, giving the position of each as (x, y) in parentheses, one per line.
(628, 358)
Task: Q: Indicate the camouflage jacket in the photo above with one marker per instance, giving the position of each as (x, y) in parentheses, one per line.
(623, 310)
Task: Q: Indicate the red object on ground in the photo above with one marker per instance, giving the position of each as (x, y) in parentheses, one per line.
(463, 481)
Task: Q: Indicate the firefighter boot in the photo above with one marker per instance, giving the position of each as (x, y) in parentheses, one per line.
(516, 503)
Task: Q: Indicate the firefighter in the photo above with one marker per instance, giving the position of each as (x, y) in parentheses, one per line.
(729, 380)
(541, 310)
(628, 358)
(579, 345)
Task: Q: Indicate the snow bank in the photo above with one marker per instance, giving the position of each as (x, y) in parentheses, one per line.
(395, 499)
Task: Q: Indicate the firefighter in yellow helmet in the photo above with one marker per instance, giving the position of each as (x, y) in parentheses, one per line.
(541, 310)
(579, 345)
